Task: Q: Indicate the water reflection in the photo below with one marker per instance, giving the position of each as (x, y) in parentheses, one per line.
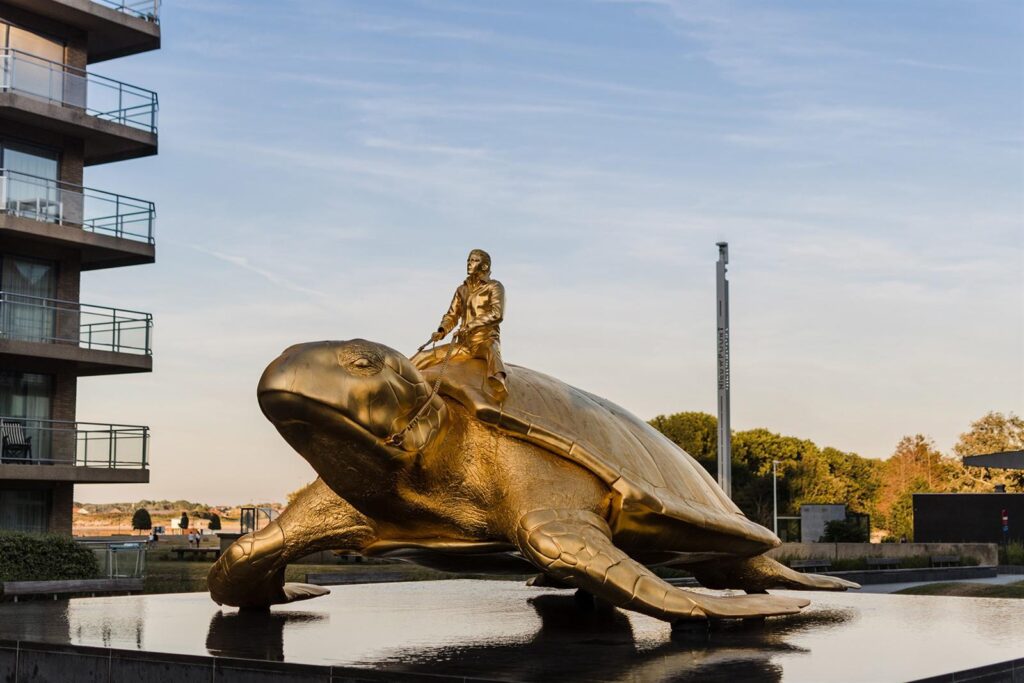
(253, 634)
(506, 631)
(599, 643)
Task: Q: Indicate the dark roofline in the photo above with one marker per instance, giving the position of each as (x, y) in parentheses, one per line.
(1007, 460)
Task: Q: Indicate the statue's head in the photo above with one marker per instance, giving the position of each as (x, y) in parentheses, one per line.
(351, 407)
(478, 263)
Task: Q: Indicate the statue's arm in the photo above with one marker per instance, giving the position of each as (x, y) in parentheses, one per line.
(495, 311)
(451, 318)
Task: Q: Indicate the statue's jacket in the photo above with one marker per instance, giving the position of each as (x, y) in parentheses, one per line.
(481, 305)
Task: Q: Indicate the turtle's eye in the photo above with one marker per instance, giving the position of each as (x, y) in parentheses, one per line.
(364, 366)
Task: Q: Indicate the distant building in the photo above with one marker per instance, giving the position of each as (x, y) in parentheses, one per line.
(57, 118)
(814, 518)
(968, 517)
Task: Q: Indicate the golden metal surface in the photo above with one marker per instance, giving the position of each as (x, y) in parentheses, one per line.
(479, 304)
(543, 477)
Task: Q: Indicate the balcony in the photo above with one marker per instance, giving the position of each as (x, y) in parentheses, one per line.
(115, 120)
(88, 452)
(148, 10)
(89, 340)
(114, 28)
(108, 229)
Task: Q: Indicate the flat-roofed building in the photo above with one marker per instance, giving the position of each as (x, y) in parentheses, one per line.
(58, 117)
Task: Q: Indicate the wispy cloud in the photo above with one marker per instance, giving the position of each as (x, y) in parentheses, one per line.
(265, 273)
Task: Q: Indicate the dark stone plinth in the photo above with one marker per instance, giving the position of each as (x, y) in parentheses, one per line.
(499, 630)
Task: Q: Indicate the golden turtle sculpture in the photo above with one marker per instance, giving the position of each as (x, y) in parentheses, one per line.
(425, 466)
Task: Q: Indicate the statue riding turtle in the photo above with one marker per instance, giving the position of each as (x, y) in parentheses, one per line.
(429, 466)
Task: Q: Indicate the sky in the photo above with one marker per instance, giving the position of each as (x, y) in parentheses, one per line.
(326, 165)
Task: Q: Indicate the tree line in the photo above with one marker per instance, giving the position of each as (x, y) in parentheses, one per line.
(809, 474)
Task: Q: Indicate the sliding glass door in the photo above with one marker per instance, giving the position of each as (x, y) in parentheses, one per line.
(27, 399)
(26, 310)
(30, 187)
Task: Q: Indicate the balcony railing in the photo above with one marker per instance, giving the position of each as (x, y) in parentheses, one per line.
(144, 9)
(52, 321)
(125, 560)
(28, 441)
(68, 86)
(53, 201)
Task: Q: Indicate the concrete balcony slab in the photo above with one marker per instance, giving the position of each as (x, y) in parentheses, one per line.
(73, 473)
(113, 29)
(97, 250)
(105, 141)
(82, 362)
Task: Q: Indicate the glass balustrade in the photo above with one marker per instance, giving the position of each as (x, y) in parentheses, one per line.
(51, 201)
(31, 318)
(58, 83)
(27, 441)
(144, 9)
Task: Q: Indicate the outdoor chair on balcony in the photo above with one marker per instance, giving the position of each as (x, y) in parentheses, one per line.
(17, 447)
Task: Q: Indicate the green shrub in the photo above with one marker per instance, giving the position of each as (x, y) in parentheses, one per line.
(845, 531)
(29, 557)
(1012, 553)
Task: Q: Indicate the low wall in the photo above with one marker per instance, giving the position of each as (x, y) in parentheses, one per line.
(987, 554)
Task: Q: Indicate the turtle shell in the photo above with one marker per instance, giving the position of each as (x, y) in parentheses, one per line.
(657, 487)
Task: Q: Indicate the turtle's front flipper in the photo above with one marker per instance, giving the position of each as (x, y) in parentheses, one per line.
(251, 572)
(575, 546)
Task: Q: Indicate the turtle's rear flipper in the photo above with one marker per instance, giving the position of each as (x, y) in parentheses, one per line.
(574, 547)
(758, 574)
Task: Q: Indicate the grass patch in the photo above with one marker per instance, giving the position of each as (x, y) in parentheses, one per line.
(968, 590)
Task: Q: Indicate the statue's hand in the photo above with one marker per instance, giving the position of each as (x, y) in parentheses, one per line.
(437, 336)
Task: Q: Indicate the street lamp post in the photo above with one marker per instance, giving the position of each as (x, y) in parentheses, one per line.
(775, 496)
(724, 428)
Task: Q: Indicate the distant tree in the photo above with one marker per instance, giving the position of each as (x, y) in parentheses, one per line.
(214, 521)
(993, 433)
(915, 466)
(141, 520)
(696, 433)
(183, 522)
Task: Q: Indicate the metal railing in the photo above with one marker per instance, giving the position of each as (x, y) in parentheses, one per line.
(54, 201)
(126, 560)
(82, 444)
(52, 321)
(68, 86)
(144, 9)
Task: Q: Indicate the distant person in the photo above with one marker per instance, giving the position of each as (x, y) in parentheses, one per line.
(191, 538)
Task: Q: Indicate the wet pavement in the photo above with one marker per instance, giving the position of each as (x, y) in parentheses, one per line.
(500, 630)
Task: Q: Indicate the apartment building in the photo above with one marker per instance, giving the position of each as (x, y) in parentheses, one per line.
(58, 117)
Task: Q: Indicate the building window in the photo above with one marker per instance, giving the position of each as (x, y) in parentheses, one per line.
(27, 398)
(26, 309)
(29, 182)
(34, 63)
(25, 511)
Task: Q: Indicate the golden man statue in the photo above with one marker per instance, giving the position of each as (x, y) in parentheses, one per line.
(422, 460)
(479, 303)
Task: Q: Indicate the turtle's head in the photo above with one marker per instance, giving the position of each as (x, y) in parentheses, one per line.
(338, 400)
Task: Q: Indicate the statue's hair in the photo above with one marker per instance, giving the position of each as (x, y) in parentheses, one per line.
(484, 256)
